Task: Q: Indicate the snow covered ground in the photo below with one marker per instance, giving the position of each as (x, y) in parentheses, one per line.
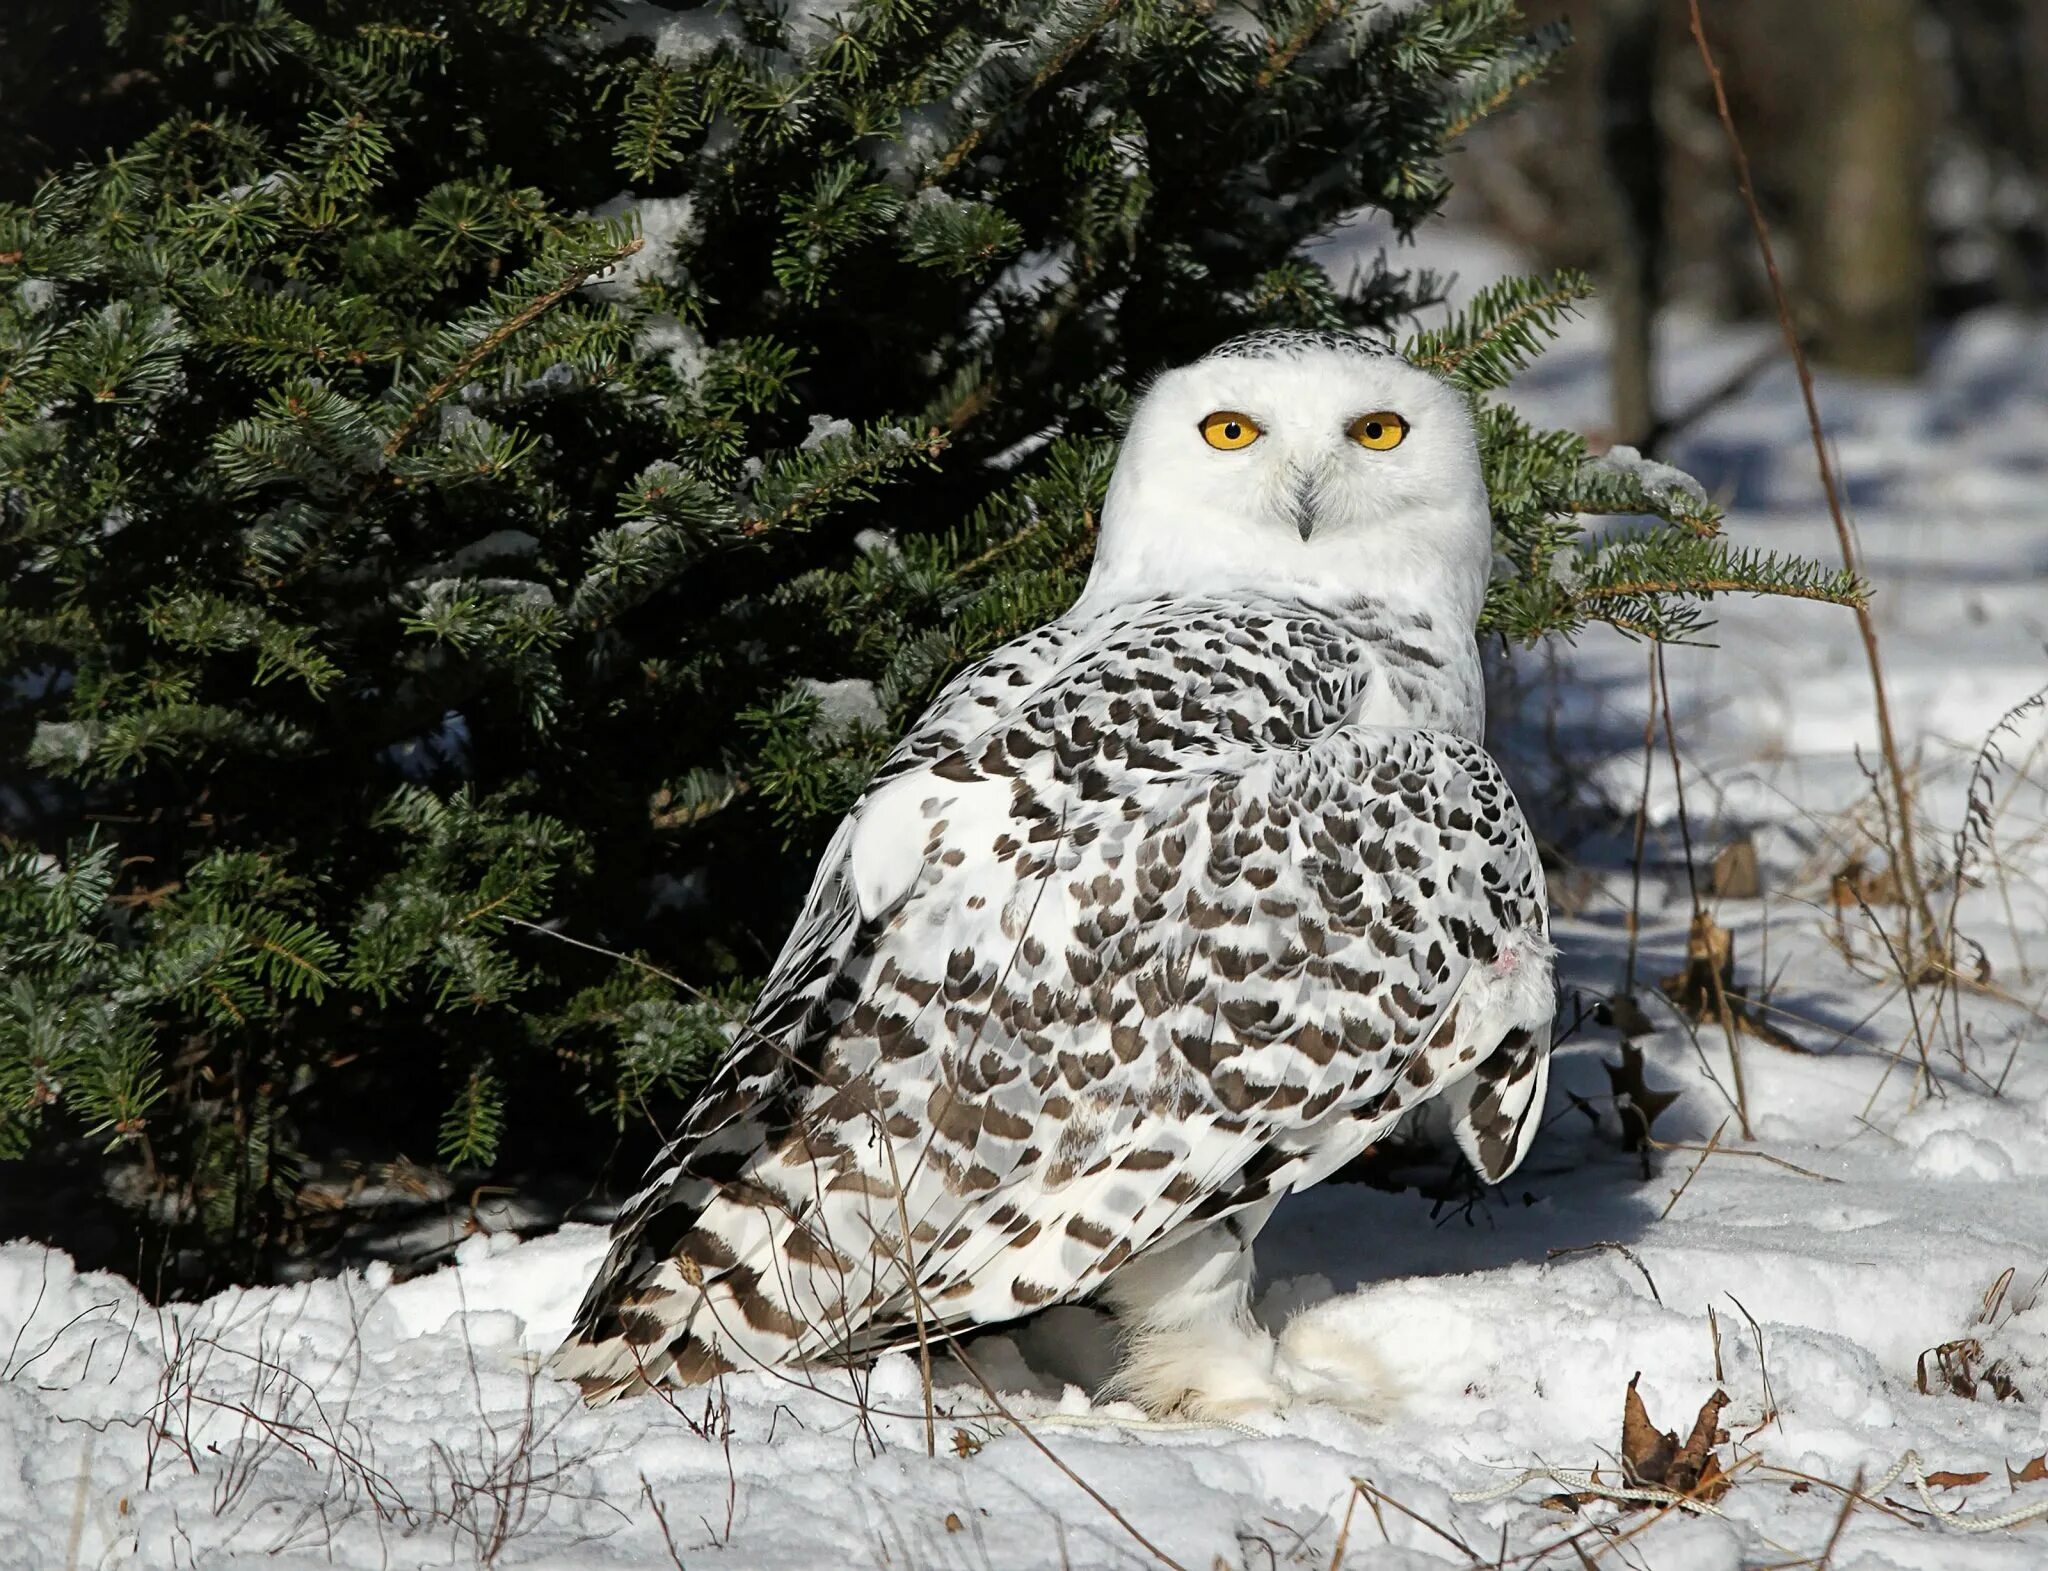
(1810, 1271)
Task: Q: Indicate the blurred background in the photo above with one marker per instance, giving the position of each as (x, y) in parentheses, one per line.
(1899, 148)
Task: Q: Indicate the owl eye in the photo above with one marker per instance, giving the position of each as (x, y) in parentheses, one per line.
(1229, 430)
(1380, 430)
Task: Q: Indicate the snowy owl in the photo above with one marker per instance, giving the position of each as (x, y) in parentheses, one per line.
(1162, 912)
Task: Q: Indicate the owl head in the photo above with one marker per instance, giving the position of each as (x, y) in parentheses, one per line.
(1314, 464)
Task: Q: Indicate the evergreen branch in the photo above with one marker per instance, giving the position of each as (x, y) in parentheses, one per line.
(485, 347)
(858, 465)
(1504, 326)
(1852, 596)
(964, 148)
(1280, 55)
(311, 976)
(1508, 77)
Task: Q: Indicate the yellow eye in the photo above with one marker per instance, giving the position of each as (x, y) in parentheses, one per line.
(1380, 430)
(1229, 430)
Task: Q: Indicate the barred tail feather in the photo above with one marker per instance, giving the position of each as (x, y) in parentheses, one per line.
(777, 1265)
(1497, 1109)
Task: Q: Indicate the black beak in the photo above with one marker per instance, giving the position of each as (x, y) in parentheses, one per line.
(1302, 504)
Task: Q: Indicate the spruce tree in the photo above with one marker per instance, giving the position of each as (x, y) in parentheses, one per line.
(481, 487)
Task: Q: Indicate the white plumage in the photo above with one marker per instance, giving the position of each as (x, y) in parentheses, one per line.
(1163, 911)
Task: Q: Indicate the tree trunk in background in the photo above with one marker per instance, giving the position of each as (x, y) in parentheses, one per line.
(1863, 263)
(1634, 154)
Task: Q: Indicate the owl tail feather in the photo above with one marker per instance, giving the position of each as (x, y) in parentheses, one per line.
(1496, 1109)
(707, 1277)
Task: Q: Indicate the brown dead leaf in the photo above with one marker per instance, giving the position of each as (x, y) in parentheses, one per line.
(1736, 874)
(1954, 1480)
(1636, 1103)
(1710, 953)
(1624, 1015)
(2034, 1472)
(1856, 884)
(1646, 1451)
(964, 1444)
(1653, 1456)
(1957, 1372)
(1713, 1482)
(953, 1522)
(1698, 1450)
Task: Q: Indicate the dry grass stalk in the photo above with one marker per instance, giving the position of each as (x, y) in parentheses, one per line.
(1726, 1016)
(1632, 1257)
(1904, 860)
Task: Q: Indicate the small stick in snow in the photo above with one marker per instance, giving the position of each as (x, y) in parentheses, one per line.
(1713, 1145)
(1635, 888)
(1904, 866)
(1763, 1368)
(1693, 883)
(1449, 1537)
(1621, 1249)
(1024, 1429)
(1761, 1156)
(661, 1517)
(1344, 1532)
(1850, 1501)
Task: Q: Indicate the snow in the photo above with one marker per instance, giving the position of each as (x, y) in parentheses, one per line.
(1810, 1272)
(845, 706)
(1656, 478)
(824, 429)
(665, 223)
(677, 37)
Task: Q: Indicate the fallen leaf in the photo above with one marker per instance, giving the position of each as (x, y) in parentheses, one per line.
(1710, 959)
(1736, 875)
(2034, 1472)
(1653, 1456)
(1956, 1363)
(1954, 1480)
(1636, 1103)
(1953, 1360)
(1713, 1482)
(1646, 1451)
(953, 1522)
(1857, 885)
(1802, 1487)
(1624, 1016)
(1697, 1454)
(964, 1444)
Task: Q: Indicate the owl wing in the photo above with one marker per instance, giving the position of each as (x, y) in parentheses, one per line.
(1226, 987)
(1076, 979)
(756, 1090)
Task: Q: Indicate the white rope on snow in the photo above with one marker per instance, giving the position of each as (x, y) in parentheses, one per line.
(1582, 1482)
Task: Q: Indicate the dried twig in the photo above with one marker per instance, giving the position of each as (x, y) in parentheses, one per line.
(661, 1518)
(1621, 1249)
(1713, 1145)
(1903, 858)
(1692, 883)
(1635, 865)
(1762, 1365)
(1024, 1429)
